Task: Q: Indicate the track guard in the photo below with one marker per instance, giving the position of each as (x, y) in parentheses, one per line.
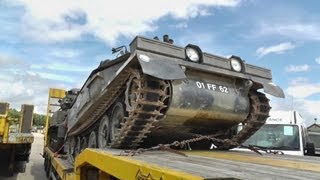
(160, 66)
(273, 89)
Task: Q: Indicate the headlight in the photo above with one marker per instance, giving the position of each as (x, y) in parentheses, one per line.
(236, 64)
(193, 53)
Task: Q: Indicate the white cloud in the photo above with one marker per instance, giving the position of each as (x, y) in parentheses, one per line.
(181, 25)
(298, 68)
(26, 88)
(9, 62)
(317, 60)
(278, 49)
(57, 77)
(308, 109)
(296, 99)
(52, 21)
(63, 66)
(65, 53)
(295, 30)
(299, 80)
(303, 90)
(19, 85)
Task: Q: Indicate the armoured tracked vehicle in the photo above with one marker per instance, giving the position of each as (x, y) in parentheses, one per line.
(159, 93)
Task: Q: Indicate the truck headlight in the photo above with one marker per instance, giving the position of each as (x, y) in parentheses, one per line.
(193, 53)
(236, 63)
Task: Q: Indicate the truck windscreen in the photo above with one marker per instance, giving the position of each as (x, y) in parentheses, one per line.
(276, 137)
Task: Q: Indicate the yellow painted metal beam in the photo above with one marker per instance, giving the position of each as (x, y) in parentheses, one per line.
(6, 133)
(53, 94)
(56, 93)
(20, 138)
(63, 171)
(26, 115)
(4, 124)
(259, 160)
(123, 167)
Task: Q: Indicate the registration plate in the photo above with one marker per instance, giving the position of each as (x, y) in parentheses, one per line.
(212, 87)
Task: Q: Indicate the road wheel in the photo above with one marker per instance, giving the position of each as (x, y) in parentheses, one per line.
(117, 118)
(92, 140)
(71, 145)
(103, 132)
(84, 143)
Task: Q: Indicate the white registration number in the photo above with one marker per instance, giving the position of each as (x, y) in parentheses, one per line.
(212, 87)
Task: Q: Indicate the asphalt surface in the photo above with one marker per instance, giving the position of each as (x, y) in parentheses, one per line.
(34, 169)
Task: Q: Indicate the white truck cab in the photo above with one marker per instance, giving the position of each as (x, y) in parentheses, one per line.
(315, 138)
(284, 132)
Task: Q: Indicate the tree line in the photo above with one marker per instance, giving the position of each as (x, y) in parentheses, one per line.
(38, 119)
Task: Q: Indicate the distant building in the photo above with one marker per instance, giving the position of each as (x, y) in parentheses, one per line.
(314, 128)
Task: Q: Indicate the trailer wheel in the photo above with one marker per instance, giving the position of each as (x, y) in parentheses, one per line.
(10, 171)
(50, 172)
(45, 162)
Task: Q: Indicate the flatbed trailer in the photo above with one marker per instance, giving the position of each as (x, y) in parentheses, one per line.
(109, 164)
(15, 147)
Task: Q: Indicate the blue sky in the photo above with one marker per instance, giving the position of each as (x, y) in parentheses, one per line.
(57, 44)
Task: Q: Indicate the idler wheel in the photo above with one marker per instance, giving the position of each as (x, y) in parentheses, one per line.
(117, 118)
(132, 93)
(103, 132)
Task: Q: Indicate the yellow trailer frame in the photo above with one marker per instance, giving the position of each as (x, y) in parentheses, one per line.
(197, 165)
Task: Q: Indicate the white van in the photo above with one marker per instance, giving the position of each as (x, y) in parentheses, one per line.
(284, 132)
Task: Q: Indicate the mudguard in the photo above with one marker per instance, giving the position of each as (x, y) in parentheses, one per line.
(160, 66)
(273, 90)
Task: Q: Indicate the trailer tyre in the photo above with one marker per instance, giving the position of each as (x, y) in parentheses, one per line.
(10, 171)
(50, 173)
(47, 167)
